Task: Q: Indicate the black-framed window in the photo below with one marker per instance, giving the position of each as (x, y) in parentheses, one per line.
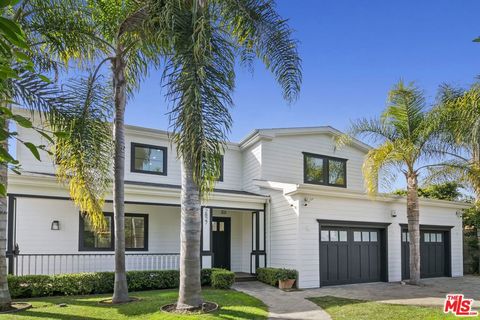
(325, 170)
(89, 240)
(220, 178)
(136, 234)
(148, 159)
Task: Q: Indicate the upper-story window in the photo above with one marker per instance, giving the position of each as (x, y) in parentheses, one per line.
(222, 158)
(320, 169)
(149, 159)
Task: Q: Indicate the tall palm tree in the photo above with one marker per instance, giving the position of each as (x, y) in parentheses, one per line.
(23, 82)
(94, 32)
(204, 38)
(407, 137)
(458, 112)
(118, 36)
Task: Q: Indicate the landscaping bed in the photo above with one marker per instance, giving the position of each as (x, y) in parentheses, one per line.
(102, 282)
(347, 309)
(232, 305)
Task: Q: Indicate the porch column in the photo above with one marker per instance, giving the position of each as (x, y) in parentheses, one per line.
(10, 253)
(206, 239)
(258, 257)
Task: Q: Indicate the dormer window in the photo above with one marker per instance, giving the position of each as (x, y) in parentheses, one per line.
(149, 159)
(324, 170)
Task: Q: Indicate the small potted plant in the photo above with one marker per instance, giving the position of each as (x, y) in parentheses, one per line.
(286, 278)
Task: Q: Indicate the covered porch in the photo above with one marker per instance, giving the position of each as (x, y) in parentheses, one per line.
(48, 235)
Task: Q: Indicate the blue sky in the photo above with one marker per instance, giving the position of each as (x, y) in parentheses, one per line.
(353, 51)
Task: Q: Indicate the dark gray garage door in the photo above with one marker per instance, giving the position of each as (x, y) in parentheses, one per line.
(351, 255)
(434, 253)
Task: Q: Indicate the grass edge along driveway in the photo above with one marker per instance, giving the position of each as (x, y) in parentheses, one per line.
(343, 308)
(233, 305)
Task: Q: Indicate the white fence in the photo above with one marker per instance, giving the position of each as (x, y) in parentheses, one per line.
(26, 264)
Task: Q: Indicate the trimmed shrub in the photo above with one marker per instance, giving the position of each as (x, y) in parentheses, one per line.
(222, 279)
(206, 276)
(271, 276)
(101, 282)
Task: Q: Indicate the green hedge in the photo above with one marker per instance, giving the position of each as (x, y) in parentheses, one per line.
(222, 279)
(272, 275)
(96, 282)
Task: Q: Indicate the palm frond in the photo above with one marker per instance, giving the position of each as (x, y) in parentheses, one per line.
(260, 31)
(200, 78)
(405, 110)
(84, 151)
(34, 93)
(377, 164)
(63, 29)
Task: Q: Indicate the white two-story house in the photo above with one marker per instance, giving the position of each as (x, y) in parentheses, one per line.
(286, 198)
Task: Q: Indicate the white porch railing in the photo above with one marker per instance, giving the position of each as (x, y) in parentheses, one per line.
(27, 264)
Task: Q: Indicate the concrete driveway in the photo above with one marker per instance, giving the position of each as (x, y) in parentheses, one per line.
(293, 305)
(431, 292)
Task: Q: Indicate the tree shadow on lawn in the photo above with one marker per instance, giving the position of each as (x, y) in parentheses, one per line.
(326, 302)
(232, 304)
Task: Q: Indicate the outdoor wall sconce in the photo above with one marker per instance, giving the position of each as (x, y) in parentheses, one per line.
(393, 213)
(459, 214)
(55, 225)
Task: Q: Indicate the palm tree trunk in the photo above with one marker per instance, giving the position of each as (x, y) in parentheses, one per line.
(476, 186)
(5, 298)
(120, 290)
(190, 288)
(413, 216)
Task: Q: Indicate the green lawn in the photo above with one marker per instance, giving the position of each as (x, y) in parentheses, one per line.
(341, 308)
(233, 305)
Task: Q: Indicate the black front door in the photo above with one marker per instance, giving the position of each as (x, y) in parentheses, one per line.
(221, 242)
(433, 254)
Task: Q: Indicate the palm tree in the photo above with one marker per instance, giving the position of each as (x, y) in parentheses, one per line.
(23, 82)
(204, 38)
(117, 36)
(458, 112)
(407, 136)
(88, 32)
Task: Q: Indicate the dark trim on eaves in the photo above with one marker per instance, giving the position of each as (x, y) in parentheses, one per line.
(429, 227)
(348, 223)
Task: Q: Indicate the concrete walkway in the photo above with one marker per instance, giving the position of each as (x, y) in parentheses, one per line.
(283, 305)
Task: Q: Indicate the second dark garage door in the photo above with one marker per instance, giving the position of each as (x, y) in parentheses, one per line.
(350, 254)
(434, 253)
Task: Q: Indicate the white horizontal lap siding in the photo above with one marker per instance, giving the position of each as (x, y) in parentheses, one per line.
(330, 209)
(232, 171)
(441, 216)
(251, 166)
(283, 233)
(25, 156)
(283, 158)
(232, 174)
(34, 218)
(173, 165)
(33, 225)
(365, 210)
